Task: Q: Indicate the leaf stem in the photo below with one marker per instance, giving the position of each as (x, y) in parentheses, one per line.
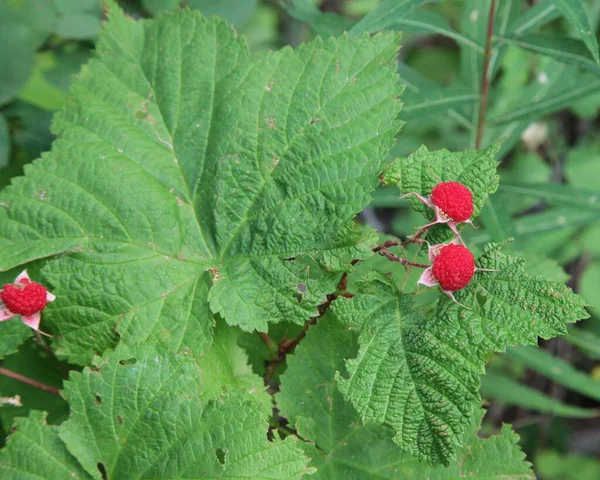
(29, 381)
(485, 80)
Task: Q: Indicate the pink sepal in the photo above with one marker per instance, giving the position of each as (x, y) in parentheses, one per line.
(33, 321)
(427, 278)
(5, 314)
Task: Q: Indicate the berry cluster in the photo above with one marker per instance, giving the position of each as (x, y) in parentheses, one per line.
(452, 264)
(24, 298)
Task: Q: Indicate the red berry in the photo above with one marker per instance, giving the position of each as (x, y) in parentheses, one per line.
(25, 298)
(454, 199)
(454, 267)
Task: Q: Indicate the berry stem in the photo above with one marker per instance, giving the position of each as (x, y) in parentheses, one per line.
(29, 381)
(485, 80)
(394, 258)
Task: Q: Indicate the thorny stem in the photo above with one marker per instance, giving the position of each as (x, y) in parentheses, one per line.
(485, 80)
(29, 381)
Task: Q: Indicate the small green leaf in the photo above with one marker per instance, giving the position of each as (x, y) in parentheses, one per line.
(423, 170)
(78, 25)
(562, 90)
(234, 11)
(384, 15)
(557, 370)
(557, 194)
(4, 142)
(419, 21)
(12, 334)
(436, 101)
(224, 368)
(497, 221)
(587, 341)
(157, 6)
(34, 450)
(535, 17)
(509, 391)
(322, 23)
(563, 49)
(575, 11)
(582, 168)
(141, 415)
(554, 466)
(589, 286)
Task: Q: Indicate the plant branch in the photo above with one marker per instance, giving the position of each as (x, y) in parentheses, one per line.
(29, 381)
(485, 80)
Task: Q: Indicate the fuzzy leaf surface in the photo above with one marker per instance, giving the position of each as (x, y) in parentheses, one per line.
(423, 170)
(421, 375)
(344, 448)
(187, 169)
(34, 451)
(140, 414)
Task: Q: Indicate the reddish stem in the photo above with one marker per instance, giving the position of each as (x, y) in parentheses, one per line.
(29, 381)
(485, 81)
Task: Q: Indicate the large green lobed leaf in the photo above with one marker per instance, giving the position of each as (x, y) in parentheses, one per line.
(342, 447)
(186, 171)
(421, 375)
(142, 413)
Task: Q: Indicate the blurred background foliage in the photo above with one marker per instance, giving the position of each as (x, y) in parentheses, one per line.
(543, 107)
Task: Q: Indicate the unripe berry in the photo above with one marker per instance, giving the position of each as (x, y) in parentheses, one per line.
(26, 298)
(454, 199)
(453, 267)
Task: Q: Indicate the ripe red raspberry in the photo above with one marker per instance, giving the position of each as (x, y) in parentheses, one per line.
(454, 199)
(453, 267)
(25, 298)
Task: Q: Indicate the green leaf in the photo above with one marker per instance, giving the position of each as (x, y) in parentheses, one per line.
(557, 370)
(4, 142)
(12, 334)
(548, 101)
(554, 466)
(535, 17)
(426, 21)
(234, 11)
(497, 221)
(436, 101)
(423, 170)
(38, 90)
(587, 341)
(157, 6)
(224, 367)
(387, 13)
(551, 220)
(557, 194)
(34, 450)
(322, 23)
(563, 49)
(343, 447)
(421, 375)
(575, 11)
(509, 391)
(582, 168)
(78, 25)
(141, 415)
(419, 90)
(169, 176)
(589, 286)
